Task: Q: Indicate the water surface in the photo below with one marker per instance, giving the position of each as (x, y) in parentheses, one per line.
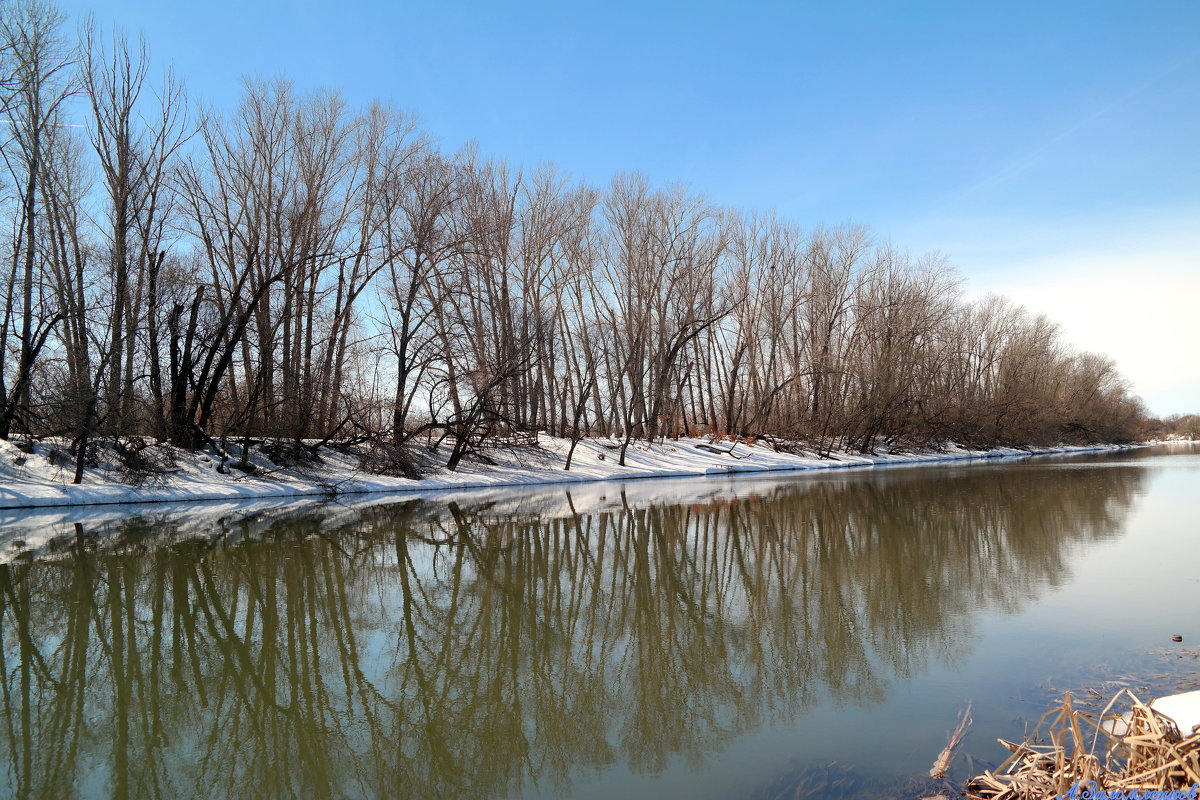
(706, 638)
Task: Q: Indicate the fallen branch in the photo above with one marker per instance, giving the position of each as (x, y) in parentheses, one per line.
(942, 764)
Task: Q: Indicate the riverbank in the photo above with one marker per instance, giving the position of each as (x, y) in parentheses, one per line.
(42, 476)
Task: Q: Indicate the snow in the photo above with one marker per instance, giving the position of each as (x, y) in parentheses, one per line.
(32, 480)
(41, 513)
(1183, 709)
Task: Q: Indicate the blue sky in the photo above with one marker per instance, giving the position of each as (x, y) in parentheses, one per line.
(1051, 149)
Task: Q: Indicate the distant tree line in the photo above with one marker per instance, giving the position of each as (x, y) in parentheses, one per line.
(300, 270)
(1179, 426)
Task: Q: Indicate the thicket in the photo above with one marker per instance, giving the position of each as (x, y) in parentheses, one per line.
(1176, 426)
(301, 270)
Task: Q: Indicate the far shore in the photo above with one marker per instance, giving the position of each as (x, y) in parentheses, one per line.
(33, 480)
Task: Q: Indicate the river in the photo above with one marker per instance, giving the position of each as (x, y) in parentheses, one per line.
(755, 637)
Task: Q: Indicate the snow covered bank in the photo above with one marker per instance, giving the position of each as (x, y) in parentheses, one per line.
(32, 479)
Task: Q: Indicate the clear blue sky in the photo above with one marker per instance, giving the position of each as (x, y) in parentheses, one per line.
(1051, 149)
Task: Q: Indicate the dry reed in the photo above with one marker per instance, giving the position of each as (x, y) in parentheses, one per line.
(1072, 752)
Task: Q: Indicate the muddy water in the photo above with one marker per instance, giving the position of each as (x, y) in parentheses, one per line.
(734, 638)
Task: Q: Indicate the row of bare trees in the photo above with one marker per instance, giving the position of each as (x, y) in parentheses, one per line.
(301, 270)
(1176, 426)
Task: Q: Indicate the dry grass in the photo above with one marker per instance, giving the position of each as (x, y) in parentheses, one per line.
(1071, 748)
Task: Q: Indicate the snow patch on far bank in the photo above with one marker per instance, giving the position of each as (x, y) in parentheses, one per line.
(32, 480)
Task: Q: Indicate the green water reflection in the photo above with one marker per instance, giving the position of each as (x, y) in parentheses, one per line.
(433, 649)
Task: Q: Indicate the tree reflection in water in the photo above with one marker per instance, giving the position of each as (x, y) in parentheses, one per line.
(415, 650)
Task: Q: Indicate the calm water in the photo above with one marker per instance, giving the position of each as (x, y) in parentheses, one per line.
(673, 639)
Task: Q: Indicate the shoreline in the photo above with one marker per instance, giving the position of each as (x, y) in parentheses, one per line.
(30, 481)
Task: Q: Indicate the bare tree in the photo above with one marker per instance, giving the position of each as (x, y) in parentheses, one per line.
(660, 286)
(38, 64)
(136, 141)
(418, 239)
